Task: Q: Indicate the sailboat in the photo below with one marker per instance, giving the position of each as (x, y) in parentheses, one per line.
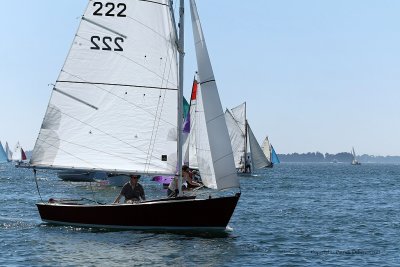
(117, 107)
(19, 154)
(354, 161)
(247, 152)
(3, 155)
(270, 153)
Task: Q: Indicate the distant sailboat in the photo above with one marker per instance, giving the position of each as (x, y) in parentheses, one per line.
(270, 153)
(247, 152)
(3, 155)
(18, 154)
(354, 161)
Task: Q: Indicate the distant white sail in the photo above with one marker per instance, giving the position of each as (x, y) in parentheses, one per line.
(114, 105)
(259, 160)
(266, 147)
(3, 155)
(219, 164)
(8, 152)
(238, 137)
(17, 155)
(239, 113)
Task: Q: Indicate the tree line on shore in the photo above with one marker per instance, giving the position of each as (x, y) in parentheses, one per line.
(339, 157)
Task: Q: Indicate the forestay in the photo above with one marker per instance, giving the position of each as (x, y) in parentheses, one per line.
(114, 105)
(216, 160)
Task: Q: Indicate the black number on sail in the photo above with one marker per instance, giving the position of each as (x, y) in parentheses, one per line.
(117, 44)
(120, 14)
(121, 7)
(110, 10)
(106, 46)
(96, 46)
(96, 13)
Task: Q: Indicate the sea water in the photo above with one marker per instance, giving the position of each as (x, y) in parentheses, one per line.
(291, 215)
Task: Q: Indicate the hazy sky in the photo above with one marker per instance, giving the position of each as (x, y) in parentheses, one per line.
(316, 75)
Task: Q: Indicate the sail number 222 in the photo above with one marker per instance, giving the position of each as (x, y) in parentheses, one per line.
(110, 9)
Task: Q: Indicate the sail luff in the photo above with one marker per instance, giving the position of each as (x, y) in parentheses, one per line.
(220, 147)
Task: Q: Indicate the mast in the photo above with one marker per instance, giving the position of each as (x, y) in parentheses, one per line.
(181, 44)
(245, 138)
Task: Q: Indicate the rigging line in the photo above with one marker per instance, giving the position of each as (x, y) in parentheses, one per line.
(149, 28)
(153, 134)
(122, 99)
(37, 185)
(122, 85)
(153, 2)
(129, 59)
(91, 148)
(103, 27)
(163, 101)
(236, 122)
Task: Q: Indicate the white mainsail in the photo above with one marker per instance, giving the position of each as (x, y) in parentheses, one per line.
(238, 138)
(8, 152)
(239, 113)
(217, 163)
(258, 158)
(114, 105)
(266, 147)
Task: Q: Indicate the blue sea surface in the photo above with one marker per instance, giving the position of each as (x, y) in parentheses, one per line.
(291, 215)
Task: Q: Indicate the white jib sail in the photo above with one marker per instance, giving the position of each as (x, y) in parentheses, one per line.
(259, 160)
(114, 105)
(190, 144)
(220, 156)
(237, 137)
(266, 147)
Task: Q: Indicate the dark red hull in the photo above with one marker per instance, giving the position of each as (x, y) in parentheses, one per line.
(213, 214)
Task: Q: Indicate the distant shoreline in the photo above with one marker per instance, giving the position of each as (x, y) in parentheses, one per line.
(342, 157)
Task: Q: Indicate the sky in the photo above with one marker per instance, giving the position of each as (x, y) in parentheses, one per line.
(316, 75)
